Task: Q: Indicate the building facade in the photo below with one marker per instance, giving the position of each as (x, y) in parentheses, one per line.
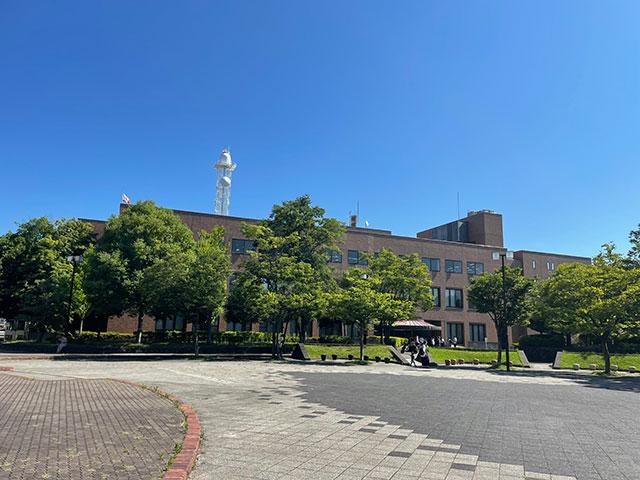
(454, 253)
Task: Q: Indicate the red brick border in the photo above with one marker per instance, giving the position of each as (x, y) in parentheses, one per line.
(6, 369)
(184, 461)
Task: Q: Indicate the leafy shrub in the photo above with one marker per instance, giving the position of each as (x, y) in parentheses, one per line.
(542, 340)
(395, 341)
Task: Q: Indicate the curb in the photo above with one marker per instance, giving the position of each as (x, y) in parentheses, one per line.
(6, 369)
(33, 357)
(184, 461)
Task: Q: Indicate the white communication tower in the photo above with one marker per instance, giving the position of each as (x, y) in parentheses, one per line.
(223, 188)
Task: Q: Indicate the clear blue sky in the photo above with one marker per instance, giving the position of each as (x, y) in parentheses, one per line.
(531, 109)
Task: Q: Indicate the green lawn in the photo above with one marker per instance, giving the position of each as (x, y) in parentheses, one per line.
(441, 354)
(315, 351)
(587, 358)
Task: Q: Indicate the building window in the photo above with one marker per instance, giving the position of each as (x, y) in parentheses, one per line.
(553, 266)
(477, 332)
(240, 246)
(433, 264)
(453, 266)
(455, 330)
(354, 257)
(170, 323)
(533, 264)
(470, 305)
(335, 256)
(475, 268)
(548, 266)
(232, 280)
(453, 297)
(238, 327)
(435, 291)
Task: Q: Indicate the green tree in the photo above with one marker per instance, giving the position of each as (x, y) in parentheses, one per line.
(285, 278)
(33, 269)
(485, 292)
(286, 282)
(601, 299)
(207, 280)
(404, 278)
(362, 305)
(133, 242)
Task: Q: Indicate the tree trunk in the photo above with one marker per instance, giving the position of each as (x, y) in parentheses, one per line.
(605, 354)
(81, 326)
(361, 343)
(140, 315)
(196, 327)
(303, 330)
(274, 348)
(210, 330)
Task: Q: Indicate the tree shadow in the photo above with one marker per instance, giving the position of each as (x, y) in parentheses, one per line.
(626, 383)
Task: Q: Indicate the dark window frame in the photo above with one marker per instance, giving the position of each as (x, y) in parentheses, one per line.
(240, 246)
(472, 268)
(475, 329)
(436, 297)
(453, 266)
(361, 258)
(433, 264)
(457, 299)
(335, 256)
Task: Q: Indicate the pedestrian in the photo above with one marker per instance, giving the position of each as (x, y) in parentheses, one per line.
(281, 345)
(433, 341)
(422, 353)
(62, 343)
(455, 342)
(413, 350)
(405, 345)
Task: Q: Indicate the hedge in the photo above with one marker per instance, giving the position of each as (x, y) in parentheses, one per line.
(541, 340)
(231, 338)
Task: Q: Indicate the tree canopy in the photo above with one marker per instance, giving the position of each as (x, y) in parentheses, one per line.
(601, 299)
(405, 279)
(133, 242)
(485, 293)
(34, 272)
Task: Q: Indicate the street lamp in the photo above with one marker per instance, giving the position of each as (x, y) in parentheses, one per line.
(505, 333)
(73, 259)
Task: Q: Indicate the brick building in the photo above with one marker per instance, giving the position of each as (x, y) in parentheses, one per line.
(454, 252)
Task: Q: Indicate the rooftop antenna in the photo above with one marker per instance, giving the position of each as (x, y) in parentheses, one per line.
(223, 188)
(458, 221)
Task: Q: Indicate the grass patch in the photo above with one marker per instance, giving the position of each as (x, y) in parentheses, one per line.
(373, 351)
(441, 354)
(584, 359)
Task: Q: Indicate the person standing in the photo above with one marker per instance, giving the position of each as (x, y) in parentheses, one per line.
(455, 342)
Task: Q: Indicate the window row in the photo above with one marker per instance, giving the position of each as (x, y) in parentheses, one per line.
(550, 265)
(356, 257)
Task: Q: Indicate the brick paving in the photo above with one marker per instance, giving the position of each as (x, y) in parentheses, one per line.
(286, 420)
(84, 429)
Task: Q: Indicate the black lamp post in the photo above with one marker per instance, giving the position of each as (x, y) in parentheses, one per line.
(73, 260)
(504, 334)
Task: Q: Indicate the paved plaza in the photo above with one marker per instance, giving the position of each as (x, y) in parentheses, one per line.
(290, 420)
(84, 429)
